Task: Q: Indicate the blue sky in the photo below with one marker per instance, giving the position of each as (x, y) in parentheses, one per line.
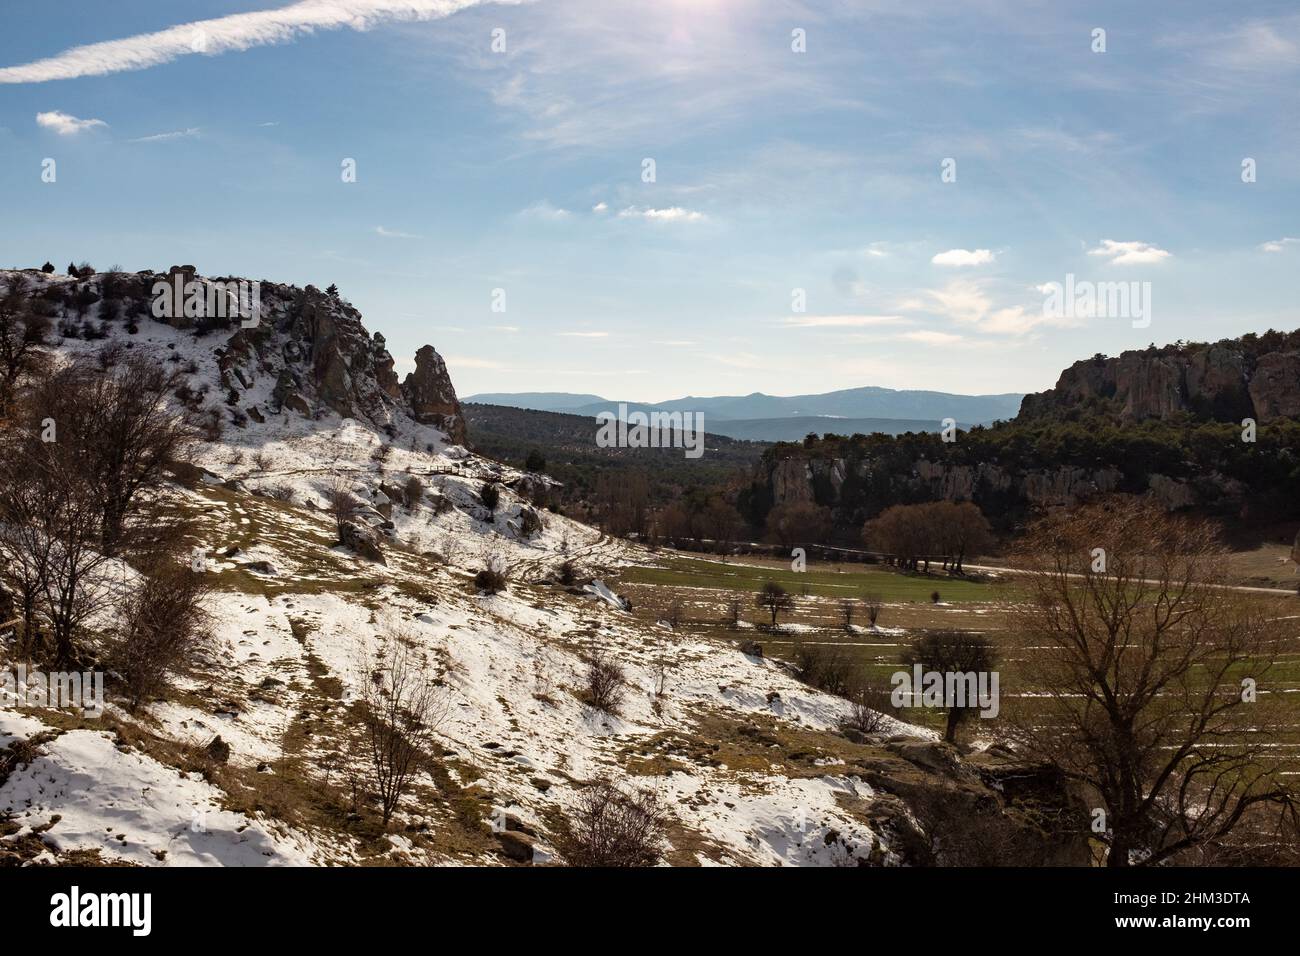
(775, 170)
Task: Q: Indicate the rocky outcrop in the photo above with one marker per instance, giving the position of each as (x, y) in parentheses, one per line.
(1255, 376)
(307, 351)
(430, 395)
(1275, 386)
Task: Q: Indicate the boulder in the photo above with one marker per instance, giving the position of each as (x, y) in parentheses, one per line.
(361, 542)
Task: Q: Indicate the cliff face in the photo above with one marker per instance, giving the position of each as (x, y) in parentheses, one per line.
(1226, 381)
(307, 352)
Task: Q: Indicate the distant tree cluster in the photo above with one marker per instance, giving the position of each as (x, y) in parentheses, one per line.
(938, 530)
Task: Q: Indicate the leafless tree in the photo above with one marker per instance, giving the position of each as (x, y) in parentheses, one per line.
(953, 652)
(164, 628)
(401, 706)
(847, 607)
(733, 613)
(873, 603)
(774, 599)
(1143, 665)
(341, 503)
(22, 334)
(613, 828)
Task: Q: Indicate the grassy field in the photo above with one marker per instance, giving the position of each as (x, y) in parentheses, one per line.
(824, 580)
(704, 588)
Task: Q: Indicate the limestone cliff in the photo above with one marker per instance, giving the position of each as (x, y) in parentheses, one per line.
(1250, 377)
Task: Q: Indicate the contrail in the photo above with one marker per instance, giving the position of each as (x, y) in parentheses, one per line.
(238, 31)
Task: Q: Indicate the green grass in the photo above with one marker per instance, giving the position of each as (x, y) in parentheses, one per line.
(826, 581)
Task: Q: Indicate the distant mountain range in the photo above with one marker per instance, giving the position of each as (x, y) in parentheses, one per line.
(760, 417)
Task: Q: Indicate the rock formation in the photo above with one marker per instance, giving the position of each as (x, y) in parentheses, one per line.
(1251, 377)
(430, 395)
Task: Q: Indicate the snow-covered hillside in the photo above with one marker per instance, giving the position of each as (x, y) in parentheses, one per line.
(747, 758)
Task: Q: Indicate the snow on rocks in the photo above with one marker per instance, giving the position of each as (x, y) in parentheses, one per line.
(88, 794)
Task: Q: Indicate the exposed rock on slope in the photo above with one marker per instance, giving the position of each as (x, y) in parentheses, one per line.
(1254, 376)
(309, 350)
(432, 399)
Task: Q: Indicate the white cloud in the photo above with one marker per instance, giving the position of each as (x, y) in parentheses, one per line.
(1278, 245)
(930, 337)
(585, 335)
(963, 257)
(236, 32)
(504, 328)
(395, 234)
(161, 137)
(842, 321)
(968, 302)
(671, 214)
(600, 207)
(65, 124)
(1129, 253)
(676, 343)
(544, 211)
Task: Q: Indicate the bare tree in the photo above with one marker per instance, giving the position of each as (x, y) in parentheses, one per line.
(1143, 665)
(873, 604)
(22, 333)
(733, 613)
(612, 828)
(774, 599)
(401, 708)
(341, 503)
(847, 607)
(164, 627)
(954, 653)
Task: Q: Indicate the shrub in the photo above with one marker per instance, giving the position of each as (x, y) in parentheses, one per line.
(869, 704)
(530, 522)
(611, 828)
(164, 628)
(606, 685)
(568, 572)
(825, 667)
(493, 578)
(285, 493)
(490, 495)
(413, 491)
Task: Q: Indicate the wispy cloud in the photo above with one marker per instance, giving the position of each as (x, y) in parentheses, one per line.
(162, 137)
(395, 234)
(1129, 253)
(970, 303)
(671, 214)
(963, 257)
(1278, 245)
(237, 32)
(545, 212)
(65, 124)
(585, 335)
(930, 337)
(842, 321)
